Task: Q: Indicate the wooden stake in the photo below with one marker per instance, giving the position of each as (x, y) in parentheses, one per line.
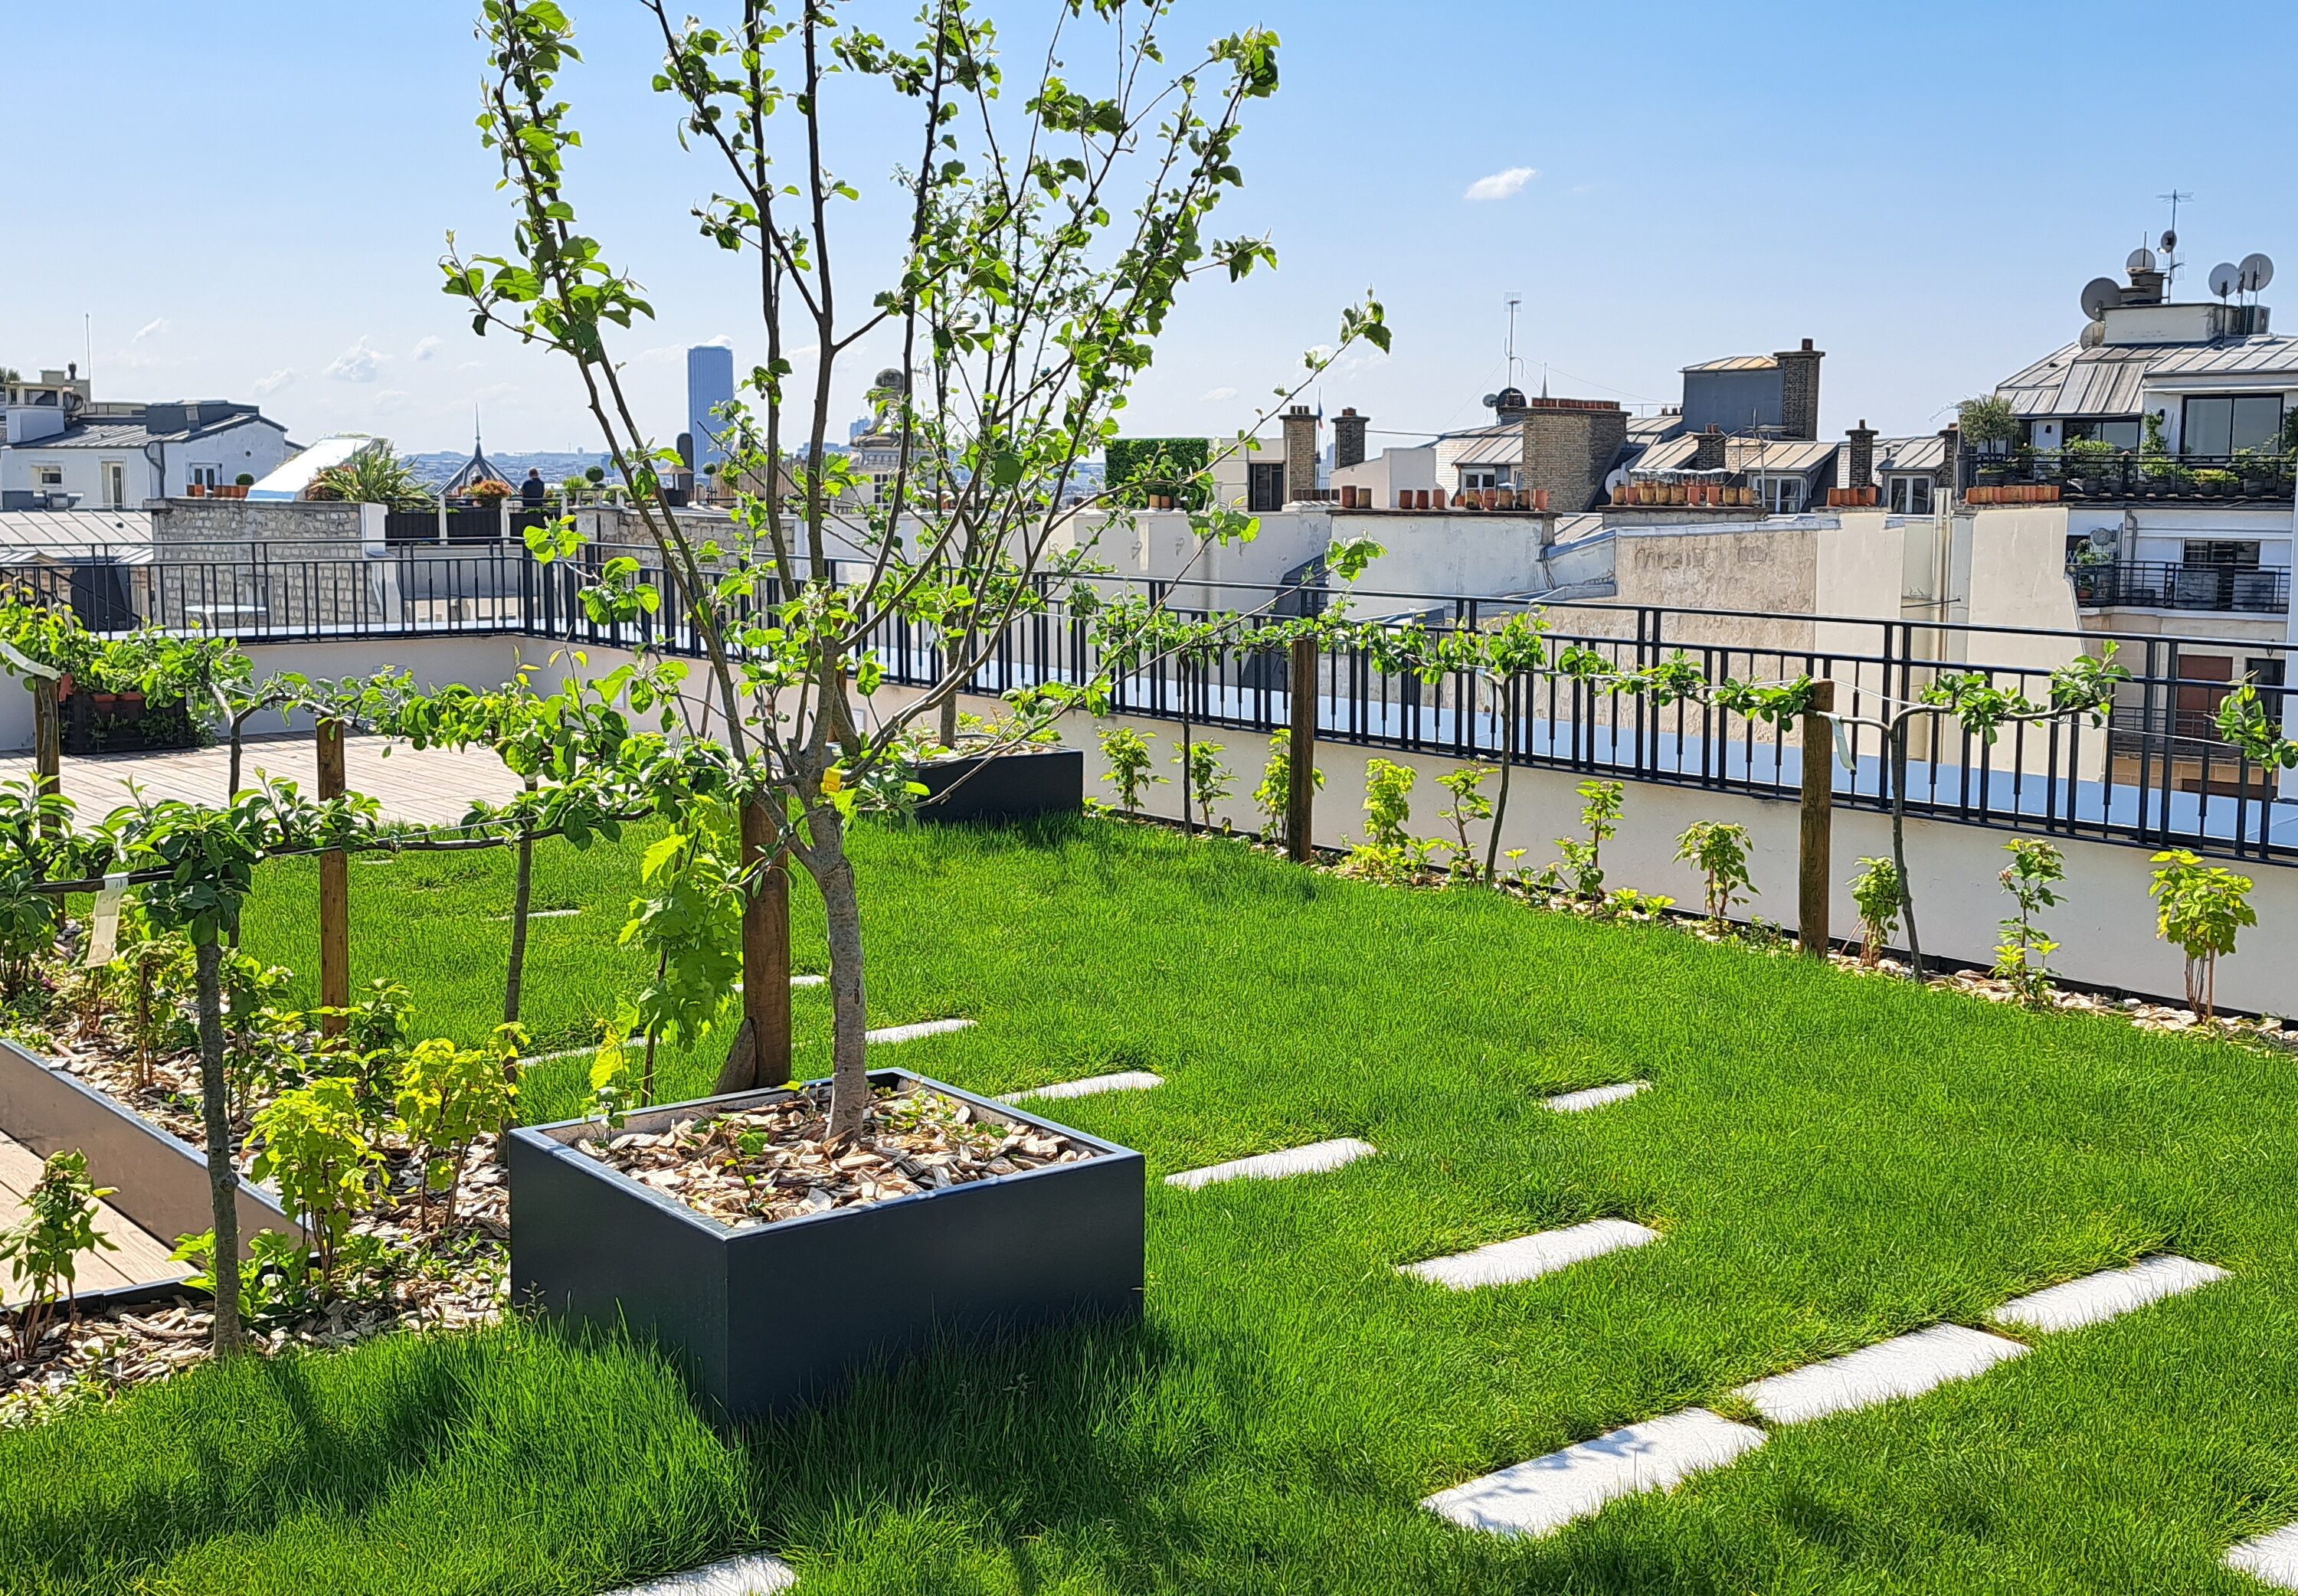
(47, 741)
(1301, 800)
(1814, 864)
(334, 890)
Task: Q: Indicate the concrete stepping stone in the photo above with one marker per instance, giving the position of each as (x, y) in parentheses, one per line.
(2271, 1558)
(1314, 1159)
(1122, 1080)
(756, 1575)
(1580, 1102)
(809, 981)
(1903, 1366)
(1529, 1257)
(886, 1036)
(2097, 1298)
(1543, 1496)
(541, 914)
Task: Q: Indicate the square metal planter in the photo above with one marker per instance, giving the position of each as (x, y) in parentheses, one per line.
(1009, 786)
(768, 1317)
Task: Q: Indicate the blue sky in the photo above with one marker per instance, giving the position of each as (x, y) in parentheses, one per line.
(247, 199)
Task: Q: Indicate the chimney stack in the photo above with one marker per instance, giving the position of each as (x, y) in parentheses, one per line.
(1950, 477)
(1708, 449)
(1349, 438)
(1799, 391)
(1862, 460)
(1300, 453)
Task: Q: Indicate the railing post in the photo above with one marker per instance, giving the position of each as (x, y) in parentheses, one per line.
(1301, 752)
(334, 890)
(1813, 855)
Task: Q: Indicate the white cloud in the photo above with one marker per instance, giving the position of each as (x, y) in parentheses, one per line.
(470, 364)
(425, 349)
(1215, 395)
(1501, 184)
(389, 399)
(357, 364)
(265, 386)
(150, 329)
(721, 342)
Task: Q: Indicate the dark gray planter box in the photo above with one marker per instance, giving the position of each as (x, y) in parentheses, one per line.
(162, 1183)
(1012, 785)
(766, 1318)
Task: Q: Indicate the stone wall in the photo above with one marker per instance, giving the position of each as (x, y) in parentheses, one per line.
(280, 565)
(1300, 453)
(1799, 391)
(1569, 446)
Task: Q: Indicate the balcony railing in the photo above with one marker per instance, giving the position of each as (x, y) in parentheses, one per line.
(2253, 590)
(2084, 475)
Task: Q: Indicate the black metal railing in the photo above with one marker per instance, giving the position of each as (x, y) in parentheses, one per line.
(2094, 475)
(2155, 775)
(2255, 590)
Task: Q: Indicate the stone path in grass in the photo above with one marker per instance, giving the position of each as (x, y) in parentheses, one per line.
(2271, 1558)
(1122, 1081)
(887, 1035)
(756, 1575)
(1580, 1102)
(1541, 1496)
(1314, 1159)
(1529, 1257)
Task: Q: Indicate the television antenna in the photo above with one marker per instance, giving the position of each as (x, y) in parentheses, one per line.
(1514, 299)
(2170, 234)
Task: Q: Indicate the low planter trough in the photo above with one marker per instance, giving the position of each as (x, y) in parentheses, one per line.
(1011, 786)
(767, 1317)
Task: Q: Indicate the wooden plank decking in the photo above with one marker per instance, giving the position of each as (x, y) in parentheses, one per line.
(140, 1259)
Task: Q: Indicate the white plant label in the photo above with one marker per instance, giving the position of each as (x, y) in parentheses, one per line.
(104, 937)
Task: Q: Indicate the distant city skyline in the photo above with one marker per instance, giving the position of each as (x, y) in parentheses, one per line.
(1663, 185)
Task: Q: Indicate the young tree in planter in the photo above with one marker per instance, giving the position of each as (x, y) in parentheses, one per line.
(2199, 908)
(1029, 304)
(2022, 959)
(1875, 891)
(1274, 797)
(1718, 850)
(43, 1250)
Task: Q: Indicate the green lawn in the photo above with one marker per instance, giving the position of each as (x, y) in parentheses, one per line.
(1832, 1159)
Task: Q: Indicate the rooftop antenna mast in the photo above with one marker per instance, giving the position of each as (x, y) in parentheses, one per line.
(2170, 234)
(1514, 299)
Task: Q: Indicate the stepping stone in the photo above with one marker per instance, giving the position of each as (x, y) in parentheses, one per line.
(1903, 1366)
(1529, 1257)
(753, 1575)
(2271, 1558)
(1123, 1081)
(1543, 1495)
(2097, 1298)
(887, 1035)
(541, 914)
(1573, 1102)
(809, 981)
(1314, 1159)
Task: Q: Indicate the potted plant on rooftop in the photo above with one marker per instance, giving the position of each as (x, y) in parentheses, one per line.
(1024, 305)
(1989, 424)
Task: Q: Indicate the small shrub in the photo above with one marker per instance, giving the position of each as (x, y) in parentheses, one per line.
(1875, 890)
(2200, 907)
(43, 1252)
(610, 1079)
(1718, 849)
(1470, 802)
(158, 966)
(449, 1096)
(2021, 958)
(1127, 753)
(1584, 862)
(1389, 852)
(1208, 778)
(313, 1142)
(1273, 797)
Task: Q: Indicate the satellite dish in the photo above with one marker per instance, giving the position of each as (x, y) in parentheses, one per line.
(2169, 241)
(2098, 295)
(2142, 259)
(1490, 401)
(2224, 278)
(2257, 272)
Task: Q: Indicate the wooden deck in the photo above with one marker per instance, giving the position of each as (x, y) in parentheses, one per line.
(142, 1258)
(427, 787)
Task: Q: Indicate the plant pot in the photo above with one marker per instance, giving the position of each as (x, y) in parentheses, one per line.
(1009, 786)
(769, 1317)
(105, 701)
(132, 699)
(195, 489)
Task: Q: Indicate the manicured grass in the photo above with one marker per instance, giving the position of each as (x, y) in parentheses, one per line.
(1831, 1161)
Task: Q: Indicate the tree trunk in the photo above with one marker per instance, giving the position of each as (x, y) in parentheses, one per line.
(1900, 842)
(522, 894)
(947, 730)
(1500, 808)
(223, 1177)
(850, 1074)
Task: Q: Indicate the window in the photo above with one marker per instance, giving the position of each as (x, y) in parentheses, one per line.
(2242, 556)
(51, 477)
(2221, 426)
(1910, 495)
(1264, 487)
(207, 477)
(2121, 435)
(1473, 478)
(1782, 495)
(115, 484)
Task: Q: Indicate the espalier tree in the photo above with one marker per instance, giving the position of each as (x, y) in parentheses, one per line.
(1042, 239)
